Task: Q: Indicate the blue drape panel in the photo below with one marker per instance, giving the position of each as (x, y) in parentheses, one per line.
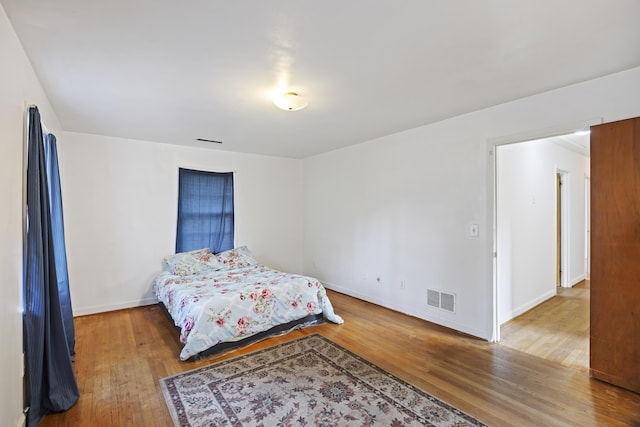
(51, 381)
(59, 248)
(205, 211)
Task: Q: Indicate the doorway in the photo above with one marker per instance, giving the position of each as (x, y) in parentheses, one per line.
(541, 223)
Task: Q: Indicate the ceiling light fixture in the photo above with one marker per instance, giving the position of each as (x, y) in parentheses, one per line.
(290, 101)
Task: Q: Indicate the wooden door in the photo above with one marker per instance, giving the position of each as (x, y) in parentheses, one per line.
(615, 253)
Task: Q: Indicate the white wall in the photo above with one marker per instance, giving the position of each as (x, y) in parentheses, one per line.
(526, 222)
(18, 85)
(399, 207)
(120, 207)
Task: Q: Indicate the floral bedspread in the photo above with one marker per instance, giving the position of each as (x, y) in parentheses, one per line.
(228, 305)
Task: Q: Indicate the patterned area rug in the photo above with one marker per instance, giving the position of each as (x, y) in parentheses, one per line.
(309, 381)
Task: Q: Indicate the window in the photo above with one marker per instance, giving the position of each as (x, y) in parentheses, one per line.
(205, 211)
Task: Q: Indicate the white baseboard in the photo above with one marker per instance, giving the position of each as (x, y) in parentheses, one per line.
(427, 317)
(529, 305)
(577, 280)
(84, 311)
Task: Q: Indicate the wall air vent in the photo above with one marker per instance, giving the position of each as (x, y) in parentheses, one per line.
(208, 140)
(448, 302)
(442, 300)
(433, 298)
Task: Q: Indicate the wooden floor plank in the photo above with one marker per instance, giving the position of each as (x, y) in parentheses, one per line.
(122, 355)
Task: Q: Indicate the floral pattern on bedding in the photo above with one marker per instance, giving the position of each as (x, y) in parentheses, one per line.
(188, 263)
(228, 305)
(235, 258)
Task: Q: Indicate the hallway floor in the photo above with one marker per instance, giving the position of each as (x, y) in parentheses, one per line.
(556, 330)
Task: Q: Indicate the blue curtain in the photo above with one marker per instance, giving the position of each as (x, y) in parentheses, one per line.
(205, 211)
(59, 248)
(51, 381)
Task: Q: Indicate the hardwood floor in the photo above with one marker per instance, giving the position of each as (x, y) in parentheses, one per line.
(121, 356)
(556, 330)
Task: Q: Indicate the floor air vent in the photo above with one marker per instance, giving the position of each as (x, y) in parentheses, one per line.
(441, 300)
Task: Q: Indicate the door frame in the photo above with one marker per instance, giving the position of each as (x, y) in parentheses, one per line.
(558, 228)
(587, 222)
(492, 205)
(564, 217)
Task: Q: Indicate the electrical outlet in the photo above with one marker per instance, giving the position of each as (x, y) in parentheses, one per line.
(402, 285)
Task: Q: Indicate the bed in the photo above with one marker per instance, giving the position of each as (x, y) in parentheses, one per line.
(217, 300)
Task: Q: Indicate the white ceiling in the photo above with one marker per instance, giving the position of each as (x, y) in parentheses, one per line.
(174, 71)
